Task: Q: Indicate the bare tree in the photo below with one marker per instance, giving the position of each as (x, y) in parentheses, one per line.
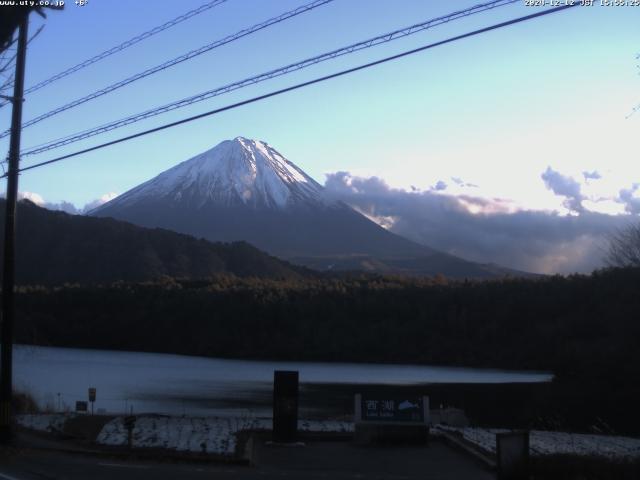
(624, 247)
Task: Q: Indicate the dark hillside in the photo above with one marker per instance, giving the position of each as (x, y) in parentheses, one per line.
(55, 248)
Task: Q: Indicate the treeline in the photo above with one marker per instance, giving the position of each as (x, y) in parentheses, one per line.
(585, 329)
(567, 325)
(55, 247)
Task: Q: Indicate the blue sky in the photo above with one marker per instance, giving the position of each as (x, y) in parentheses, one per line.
(495, 111)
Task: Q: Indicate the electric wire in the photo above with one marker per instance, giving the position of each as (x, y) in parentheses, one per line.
(9, 82)
(175, 61)
(380, 39)
(125, 45)
(15, 53)
(303, 84)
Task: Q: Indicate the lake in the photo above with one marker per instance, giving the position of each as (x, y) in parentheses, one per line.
(176, 384)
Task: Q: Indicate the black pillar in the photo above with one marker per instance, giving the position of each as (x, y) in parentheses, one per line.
(285, 406)
(8, 277)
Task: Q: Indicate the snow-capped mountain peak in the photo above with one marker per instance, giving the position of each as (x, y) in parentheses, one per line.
(244, 190)
(238, 171)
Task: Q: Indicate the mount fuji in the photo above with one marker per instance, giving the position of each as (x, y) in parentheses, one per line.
(244, 189)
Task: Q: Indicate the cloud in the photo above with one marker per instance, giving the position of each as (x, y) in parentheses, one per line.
(100, 201)
(566, 187)
(461, 183)
(630, 198)
(64, 206)
(33, 197)
(439, 186)
(483, 230)
(594, 175)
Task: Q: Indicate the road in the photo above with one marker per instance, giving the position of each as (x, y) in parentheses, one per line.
(48, 465)
(317, 460)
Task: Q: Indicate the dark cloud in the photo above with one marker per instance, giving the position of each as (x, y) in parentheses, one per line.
(526, 240)
(566, 187)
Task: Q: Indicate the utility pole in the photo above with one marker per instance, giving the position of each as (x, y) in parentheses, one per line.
(8, 277)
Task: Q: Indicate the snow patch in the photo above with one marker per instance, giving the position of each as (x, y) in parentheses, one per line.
(239, 171)
(216, 435)
(43, 422)
(554, 443)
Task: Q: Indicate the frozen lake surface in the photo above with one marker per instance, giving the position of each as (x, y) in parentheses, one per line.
(176, 384)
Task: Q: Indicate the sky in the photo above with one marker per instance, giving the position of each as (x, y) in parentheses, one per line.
(517, 146)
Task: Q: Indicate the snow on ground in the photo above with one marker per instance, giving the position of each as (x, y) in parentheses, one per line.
(43, 422)
(198, 434)
(185, 434)
(552, 443)
(217, 435)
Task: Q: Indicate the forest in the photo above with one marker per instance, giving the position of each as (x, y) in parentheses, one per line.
(583, 328)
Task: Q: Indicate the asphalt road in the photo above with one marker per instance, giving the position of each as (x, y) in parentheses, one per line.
(47, 465)
(317, 460)
(347, 460)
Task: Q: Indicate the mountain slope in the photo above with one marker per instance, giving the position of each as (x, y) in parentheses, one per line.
(245, 190)
(430, 266)
(237, 172)
(54, 247)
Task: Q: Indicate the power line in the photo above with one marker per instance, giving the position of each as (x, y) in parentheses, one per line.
(170, 63)
(9, 82)
(126, 44)
(380, 39)
(10, 61)
(302, 85)
(7, 63)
